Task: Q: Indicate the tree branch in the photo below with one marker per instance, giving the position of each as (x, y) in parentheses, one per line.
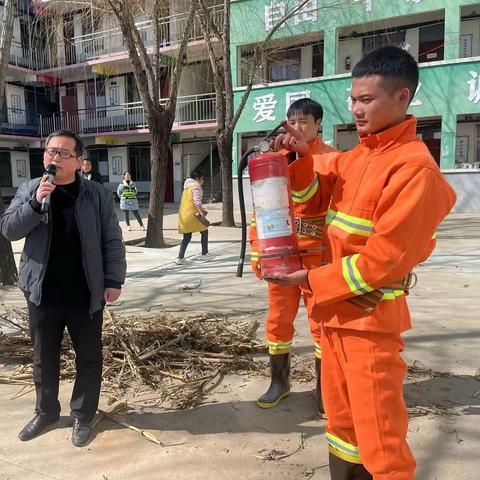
(257, 58)
(181, 58)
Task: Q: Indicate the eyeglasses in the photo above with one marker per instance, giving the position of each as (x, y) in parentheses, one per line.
(53, 152)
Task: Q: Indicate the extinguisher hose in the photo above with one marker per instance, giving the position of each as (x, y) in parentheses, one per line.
(241, 167)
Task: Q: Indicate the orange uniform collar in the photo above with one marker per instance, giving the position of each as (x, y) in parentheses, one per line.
(394, 136)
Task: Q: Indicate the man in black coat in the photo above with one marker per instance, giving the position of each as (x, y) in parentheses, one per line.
(72, 263)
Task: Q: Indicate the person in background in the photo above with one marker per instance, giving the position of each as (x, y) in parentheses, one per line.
(127, 193)
(192, 217)
(88, 173)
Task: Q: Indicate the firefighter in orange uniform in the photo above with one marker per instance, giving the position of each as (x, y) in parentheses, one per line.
(310, 208)
(388, 197)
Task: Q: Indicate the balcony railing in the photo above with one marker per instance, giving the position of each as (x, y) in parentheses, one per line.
(14, 121)
(191, 110)
(34, 58)
(98, 44)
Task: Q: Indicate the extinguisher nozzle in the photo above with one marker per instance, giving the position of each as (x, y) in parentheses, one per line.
(240, 268)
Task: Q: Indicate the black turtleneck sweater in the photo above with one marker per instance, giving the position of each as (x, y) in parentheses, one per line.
(64, 282)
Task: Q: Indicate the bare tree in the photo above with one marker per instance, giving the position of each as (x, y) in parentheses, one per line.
(8, 269)
(148, 71)
(152, 69)
(227, 116)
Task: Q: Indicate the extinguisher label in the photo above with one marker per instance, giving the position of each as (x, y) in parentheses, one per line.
(270, 197)
(274, 224)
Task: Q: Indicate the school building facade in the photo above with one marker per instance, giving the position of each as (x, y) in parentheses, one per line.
(313, 54)
(72, 71)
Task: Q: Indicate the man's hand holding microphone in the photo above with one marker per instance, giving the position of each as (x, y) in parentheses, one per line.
(46, 187)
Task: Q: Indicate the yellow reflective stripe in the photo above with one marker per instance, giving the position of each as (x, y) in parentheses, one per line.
(318, 350)
(253, 223)
(342, 449)
(434, 236)
(279, 344)
(254, 256)
(390, 294)
(352, 276)
(275, 348)
(349, 223)
(302, 196)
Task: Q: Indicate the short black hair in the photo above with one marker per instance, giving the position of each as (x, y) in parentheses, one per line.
(397, 67)
(306, 106)
(196, 175)
(69, 134)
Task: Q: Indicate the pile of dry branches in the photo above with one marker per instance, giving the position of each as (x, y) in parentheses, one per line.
(168, 358)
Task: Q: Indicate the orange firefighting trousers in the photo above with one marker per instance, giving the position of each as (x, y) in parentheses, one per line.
(362, 379)
(283, 308)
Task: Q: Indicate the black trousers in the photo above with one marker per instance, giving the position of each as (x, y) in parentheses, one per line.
(47, 324)
(186, 240)
(136, 215)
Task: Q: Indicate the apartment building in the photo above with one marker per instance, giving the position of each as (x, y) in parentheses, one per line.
(79, 77)
(313, 53)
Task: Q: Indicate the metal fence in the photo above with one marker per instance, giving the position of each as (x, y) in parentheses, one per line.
(15, 121)
(191, 110)
(107, 42)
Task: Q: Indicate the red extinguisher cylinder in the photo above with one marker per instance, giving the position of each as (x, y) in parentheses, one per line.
(273, 207)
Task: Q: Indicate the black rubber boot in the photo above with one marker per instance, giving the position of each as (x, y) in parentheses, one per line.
(342, 470)
(280, 384)
(318, 389)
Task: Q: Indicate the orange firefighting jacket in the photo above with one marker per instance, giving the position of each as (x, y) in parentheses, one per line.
(310, 203)
(388, 197)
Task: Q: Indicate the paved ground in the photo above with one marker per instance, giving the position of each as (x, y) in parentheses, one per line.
(223, 438)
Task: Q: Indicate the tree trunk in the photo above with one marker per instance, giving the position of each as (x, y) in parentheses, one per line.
(160, 151)
(8, 269)
(225, 153)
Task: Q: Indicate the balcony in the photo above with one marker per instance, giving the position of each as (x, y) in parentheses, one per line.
(191, 111)
(96, 45)
(14, 121)
(31, 58)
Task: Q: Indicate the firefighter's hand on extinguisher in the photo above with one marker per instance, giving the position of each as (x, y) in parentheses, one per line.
(293, 140)
(296, 278)
(256, 269)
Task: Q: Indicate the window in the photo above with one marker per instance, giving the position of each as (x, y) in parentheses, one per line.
(285, 65)
(317, 60)
(99, 159)
(139, 163)
(36, 163)
(17, 115)
(5, 170)
(114, 94)
(100, 98)
(117, 165)
(246, 66)
(431, 44)
(377, 41)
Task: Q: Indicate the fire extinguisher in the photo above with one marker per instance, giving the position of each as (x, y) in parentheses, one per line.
(273, 207)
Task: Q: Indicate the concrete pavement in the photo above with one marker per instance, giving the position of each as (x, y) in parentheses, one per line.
(224, 438)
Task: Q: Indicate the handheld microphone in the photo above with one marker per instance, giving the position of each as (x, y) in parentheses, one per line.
(50, 172)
